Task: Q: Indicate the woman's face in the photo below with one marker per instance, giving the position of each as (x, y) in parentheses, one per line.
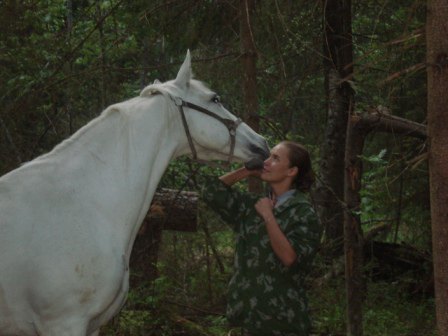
(276, 167)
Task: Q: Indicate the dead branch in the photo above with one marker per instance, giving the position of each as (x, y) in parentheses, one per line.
(382, 122)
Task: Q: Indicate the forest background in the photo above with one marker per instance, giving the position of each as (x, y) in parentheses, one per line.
(63, 62)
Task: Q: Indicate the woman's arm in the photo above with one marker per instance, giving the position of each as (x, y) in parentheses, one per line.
(237, 175)
(280, 244)
(224, 200)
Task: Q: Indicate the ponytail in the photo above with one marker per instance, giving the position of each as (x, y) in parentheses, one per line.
(300, 158)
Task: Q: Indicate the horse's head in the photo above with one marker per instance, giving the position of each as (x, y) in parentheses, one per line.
(210, 130)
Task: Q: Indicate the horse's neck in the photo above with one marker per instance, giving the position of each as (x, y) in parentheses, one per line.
(125, 155)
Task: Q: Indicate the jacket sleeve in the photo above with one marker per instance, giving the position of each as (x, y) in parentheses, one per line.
(305, 232)
(227, 202)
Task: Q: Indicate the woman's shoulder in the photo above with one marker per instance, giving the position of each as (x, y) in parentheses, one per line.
(298, 199)
(301, 197)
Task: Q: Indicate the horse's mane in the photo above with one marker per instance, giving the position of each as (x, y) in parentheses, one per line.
(168, 89)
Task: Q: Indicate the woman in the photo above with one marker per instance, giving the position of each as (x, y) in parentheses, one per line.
(276, 240)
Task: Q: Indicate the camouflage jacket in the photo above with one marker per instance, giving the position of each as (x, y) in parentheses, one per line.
(264, 296)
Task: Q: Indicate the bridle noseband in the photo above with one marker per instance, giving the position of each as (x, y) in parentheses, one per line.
(231, 125)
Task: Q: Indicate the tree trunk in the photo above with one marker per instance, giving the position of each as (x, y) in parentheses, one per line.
(353, 237)
(249, 61)
(103, 78)
(437, 60)
(338, 51)
(69, 66)
(359, 127)
(173, 210)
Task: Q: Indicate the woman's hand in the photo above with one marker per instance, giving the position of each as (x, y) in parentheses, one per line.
(264, 208)
(254, 167)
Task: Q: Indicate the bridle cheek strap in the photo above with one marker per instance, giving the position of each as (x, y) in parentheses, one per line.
(231, 125)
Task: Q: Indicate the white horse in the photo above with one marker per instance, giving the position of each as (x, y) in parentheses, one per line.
(68, 219)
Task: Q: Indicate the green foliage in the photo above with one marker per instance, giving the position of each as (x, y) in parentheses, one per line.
(188, 296)
(55, 77)
(374, 186)
(389, 197)
(388, 40)
(132, 323)
(388, 310)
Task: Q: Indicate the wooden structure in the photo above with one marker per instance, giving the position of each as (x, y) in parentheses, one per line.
(170, 210)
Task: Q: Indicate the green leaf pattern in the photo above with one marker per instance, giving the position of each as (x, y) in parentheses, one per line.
(264, 296)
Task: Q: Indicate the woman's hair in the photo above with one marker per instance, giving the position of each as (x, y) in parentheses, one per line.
(299, 157)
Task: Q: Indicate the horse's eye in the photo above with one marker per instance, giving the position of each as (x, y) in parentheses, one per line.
(216, 99)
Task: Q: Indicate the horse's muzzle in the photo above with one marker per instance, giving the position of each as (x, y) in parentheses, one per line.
(261, 153)
(254, 164)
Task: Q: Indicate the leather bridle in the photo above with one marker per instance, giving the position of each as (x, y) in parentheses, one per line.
(231, 125)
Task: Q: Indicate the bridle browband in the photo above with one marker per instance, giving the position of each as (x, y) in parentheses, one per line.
(231, 125)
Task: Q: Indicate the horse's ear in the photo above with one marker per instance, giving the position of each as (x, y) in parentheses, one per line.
(156, 81)
(184, 75)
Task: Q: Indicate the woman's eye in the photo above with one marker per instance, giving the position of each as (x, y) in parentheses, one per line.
(216, 99)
